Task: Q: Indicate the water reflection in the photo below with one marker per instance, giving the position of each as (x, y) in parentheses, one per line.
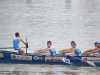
(68, 4)
(22, 69)
(28, 1)
(25, 1)
(49, 73)
(38, 73)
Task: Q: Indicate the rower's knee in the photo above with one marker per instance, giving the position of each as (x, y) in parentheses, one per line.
(21, 52)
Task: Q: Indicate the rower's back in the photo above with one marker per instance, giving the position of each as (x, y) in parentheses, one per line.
(16, 43)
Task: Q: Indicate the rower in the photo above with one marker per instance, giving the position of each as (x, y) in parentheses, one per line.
(50, 48)
(97, 51)
(16, 43)
(87, 52)
(77, 52)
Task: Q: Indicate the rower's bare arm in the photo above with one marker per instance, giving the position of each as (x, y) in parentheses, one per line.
(37, 51)
(64, 50)
(43, 50)
(69, 50)
(90, 50)
(95, 51)
(22, 41)
(49, 49)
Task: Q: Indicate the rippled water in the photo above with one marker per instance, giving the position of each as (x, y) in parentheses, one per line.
(23, 69)
(60, 21)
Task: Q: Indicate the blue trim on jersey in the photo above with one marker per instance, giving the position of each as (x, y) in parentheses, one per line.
(53, 52)
(99, 52)
(79, 53)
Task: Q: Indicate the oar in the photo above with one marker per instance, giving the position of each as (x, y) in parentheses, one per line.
(6, 48)
(9, 47)
(26, 46)
(89, 62)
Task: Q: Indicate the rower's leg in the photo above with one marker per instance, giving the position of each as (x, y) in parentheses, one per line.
(47, 54)
(21, 52)
(37, 51)
(61, 51)
(84, 52)
(87, 53)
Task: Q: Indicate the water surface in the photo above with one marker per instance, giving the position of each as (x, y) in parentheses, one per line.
(60, 21)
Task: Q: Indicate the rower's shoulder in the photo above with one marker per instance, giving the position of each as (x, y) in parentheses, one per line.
(52, 47)
(19, 38)
(15, 38)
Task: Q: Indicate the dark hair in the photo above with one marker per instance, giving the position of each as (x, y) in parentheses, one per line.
(49, 42)
(96, 43)
(72, 41)
(17, 33)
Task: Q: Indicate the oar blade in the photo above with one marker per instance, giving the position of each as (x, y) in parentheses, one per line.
(91, 63)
